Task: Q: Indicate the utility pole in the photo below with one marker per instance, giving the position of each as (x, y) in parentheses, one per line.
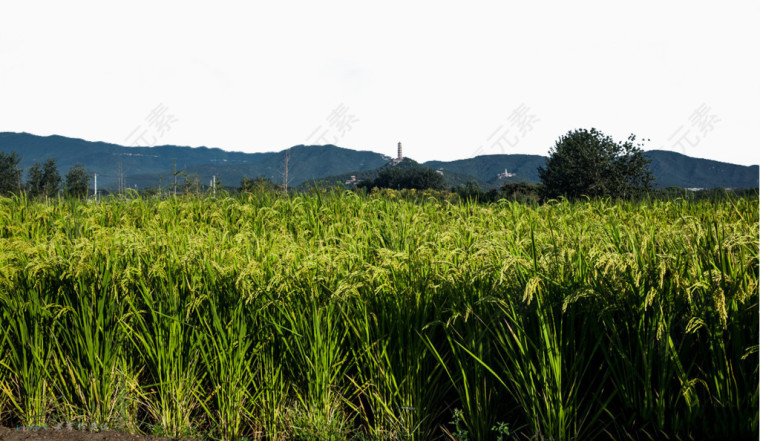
(121, 177)
(96, 187)
(175, 176)
(213, 184)
(285, 173)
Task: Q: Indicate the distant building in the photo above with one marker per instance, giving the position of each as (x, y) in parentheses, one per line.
(352, 181)
(505, 175)
(400, 156)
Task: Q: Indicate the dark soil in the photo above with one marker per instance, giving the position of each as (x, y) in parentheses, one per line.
(52, 434)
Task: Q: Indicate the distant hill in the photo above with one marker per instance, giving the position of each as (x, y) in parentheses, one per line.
(327, 164)
(670, 169)
(450, 178)
(146, 166)
(673, 169)
(103, 158)
(487, 168)
(306, 163)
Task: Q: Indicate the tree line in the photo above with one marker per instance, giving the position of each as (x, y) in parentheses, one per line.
(42, 179)
(582, 163)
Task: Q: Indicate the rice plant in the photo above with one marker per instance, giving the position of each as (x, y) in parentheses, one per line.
(382, 316)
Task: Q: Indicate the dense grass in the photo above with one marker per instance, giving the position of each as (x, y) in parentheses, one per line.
(342, 316)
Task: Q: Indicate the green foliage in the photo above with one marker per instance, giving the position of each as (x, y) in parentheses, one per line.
(10, 175)
(343, 315)
(588, 163)
(713, 194)
(328, 165)
(35, 180)
(470, 190)
(257, 184)
(418, 178)
(43, 179)
(516, 191)
(77, 181)
(460, 433)
(521, 192)
(502, 431)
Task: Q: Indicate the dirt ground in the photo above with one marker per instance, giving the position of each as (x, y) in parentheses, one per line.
(52, 434)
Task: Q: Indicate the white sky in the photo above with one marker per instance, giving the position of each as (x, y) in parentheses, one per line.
(444, 78)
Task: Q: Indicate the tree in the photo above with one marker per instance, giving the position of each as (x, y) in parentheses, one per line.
(260, 183)
(77, 181)
(419, 178)
(34, 180)
(44, 179)
(9, 174)
(521, 191)
(190, 182)
(469, 191)
(586, 162)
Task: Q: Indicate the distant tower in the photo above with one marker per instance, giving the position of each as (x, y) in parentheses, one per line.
(400, 156)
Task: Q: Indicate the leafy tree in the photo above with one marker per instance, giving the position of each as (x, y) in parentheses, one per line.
(471, 190)
(52, 177)
(586, 162)
(257, 184)
(190, 182)
(521, 192)
(44, 179)
(414, 177)
(9, 174)
(34, 180)
(77, 181)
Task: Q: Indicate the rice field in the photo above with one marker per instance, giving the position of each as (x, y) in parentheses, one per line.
(337, 316)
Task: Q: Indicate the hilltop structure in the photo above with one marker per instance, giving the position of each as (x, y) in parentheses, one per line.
(400, 156)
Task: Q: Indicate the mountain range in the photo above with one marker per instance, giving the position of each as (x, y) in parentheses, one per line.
(143, 167)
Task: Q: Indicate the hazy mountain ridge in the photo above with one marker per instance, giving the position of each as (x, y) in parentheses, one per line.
(673, 169)
(327, 164)
(450, 178)
(488, 167)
